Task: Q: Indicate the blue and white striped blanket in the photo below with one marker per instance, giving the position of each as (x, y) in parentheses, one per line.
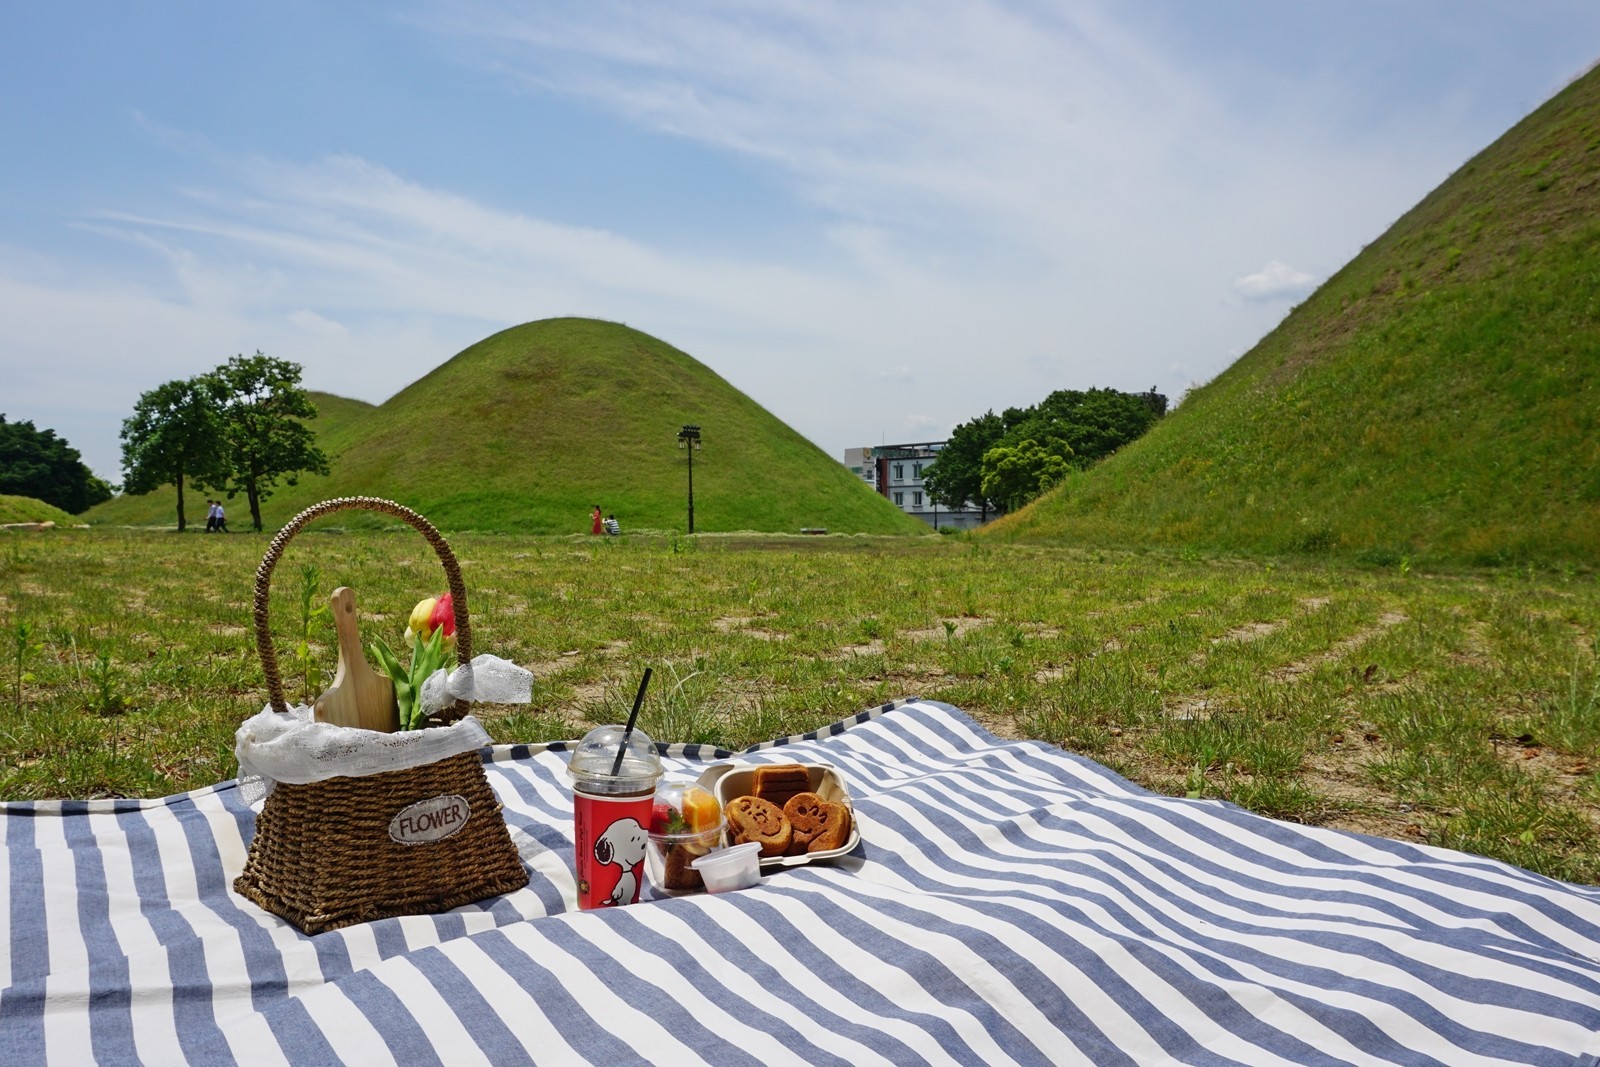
(1009, 903)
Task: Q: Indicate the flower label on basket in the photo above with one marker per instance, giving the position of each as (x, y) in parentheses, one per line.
(428, 820)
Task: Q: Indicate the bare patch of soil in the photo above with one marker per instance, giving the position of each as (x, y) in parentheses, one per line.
(951, 628)
(1002, 725)
(1250, 631)
(867, 648)
(1291, 671)
(1188, 708)
(742, 624)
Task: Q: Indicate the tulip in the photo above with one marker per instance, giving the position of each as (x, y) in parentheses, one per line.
(420, 616)
(434, 613)
(444, 618)
(431, 631)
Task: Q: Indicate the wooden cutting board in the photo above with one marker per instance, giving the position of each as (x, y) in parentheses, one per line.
(359, 696)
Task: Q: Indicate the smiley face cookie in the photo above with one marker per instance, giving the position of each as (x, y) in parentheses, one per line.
(818, 825)
(754, 819)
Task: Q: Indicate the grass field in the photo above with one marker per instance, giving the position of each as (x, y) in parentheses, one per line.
(1460, 709)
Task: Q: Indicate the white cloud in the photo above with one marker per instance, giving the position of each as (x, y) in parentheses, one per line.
(1276, 281)
(312, 323)
(950, 117)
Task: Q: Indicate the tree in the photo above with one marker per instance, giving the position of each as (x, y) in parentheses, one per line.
(1015, 474)
(1076, 426)
(956, 477)
(1094, 422)
(39, 464)
(260, 403)
(173, 437)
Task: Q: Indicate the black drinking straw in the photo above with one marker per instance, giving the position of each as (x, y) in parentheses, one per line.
(633, 717)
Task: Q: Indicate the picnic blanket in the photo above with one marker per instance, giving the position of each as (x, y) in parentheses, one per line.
(1009, 903)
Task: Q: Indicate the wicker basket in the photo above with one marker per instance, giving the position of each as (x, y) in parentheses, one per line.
(325, 854)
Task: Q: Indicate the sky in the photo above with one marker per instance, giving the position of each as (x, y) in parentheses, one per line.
(876, 219)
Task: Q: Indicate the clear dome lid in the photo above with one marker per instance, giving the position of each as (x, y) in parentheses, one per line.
(594, 762)
(685, 809)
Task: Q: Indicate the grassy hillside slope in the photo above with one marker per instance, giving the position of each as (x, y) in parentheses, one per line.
(529, 428)
(27, 509)
(1438, 398)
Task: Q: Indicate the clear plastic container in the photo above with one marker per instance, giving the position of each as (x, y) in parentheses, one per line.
(727, 869)
(685, 824)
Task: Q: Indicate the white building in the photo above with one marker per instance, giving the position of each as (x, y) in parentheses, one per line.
(896, 472)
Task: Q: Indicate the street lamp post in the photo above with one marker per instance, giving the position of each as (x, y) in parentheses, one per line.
(689, 440)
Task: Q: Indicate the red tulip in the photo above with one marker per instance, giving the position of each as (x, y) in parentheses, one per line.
(444, 615)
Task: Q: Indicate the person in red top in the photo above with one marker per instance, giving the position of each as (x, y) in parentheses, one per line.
(597, 520)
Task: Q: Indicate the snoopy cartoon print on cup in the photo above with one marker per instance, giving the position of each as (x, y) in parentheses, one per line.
(611, 802)
(622, 845)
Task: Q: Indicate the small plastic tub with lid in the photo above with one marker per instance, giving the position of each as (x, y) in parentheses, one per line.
(727, 869)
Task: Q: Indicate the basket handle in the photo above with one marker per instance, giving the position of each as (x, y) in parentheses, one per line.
(452, 571)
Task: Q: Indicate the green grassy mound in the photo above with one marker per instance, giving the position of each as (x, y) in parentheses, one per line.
(1437, 399)
(529, 428)
(27, 509)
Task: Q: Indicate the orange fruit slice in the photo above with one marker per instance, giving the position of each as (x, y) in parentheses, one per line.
(700, 810)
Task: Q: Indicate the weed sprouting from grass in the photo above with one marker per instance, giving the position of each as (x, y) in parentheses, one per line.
(105, 675)
(751, 726)
(1196, 785)
(684, 708)
(315, 616)
(1571, 722)
(23, 646)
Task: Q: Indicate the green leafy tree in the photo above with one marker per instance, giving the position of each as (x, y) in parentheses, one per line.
(1078, 427)
(1094, 423)
(260, 403)
(1015, 474)
(956, 477)
(174, 437)
(39, 464)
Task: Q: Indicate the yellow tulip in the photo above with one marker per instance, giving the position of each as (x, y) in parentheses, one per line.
(418, 624)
